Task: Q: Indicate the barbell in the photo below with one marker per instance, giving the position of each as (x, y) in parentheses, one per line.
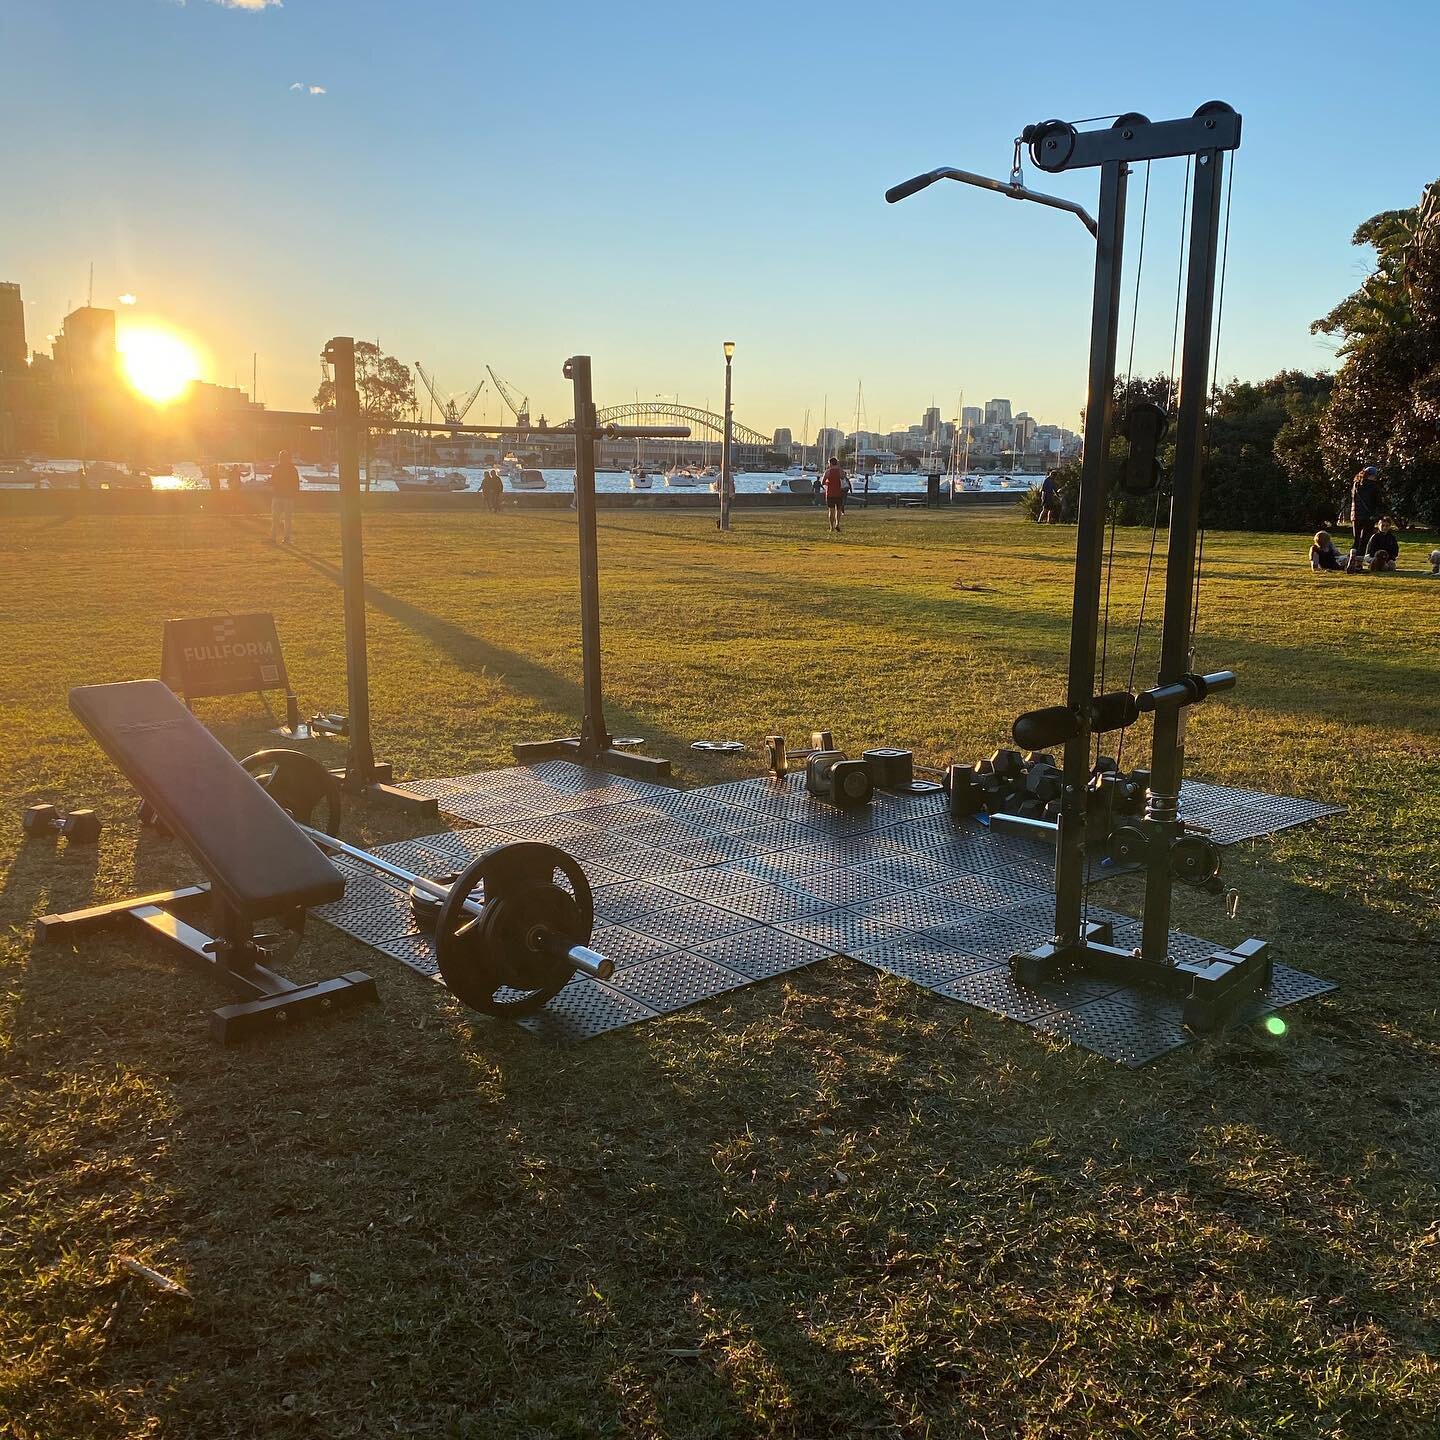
(509, 935)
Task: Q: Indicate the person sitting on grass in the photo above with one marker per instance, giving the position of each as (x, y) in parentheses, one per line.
(1383, 551)
(1435, 562)
(1323, 554)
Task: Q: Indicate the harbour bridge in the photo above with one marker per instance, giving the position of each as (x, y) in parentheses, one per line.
(701, 422)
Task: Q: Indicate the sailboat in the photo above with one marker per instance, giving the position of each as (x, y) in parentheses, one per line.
(957, 471)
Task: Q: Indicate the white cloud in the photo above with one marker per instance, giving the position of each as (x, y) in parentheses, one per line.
(318, 90)
(247, 4)
(306, 88)
(298, 85)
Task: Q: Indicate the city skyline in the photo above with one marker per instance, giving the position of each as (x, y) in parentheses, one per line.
(425, 193)
(150, 369)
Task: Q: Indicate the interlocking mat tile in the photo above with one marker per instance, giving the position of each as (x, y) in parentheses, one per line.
(701, 892)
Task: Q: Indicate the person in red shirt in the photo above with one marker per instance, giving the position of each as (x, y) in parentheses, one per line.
(284, 487)
(834, 483)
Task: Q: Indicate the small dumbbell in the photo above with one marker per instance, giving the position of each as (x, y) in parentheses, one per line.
(830, 776)
(778, 758)
(79, 827)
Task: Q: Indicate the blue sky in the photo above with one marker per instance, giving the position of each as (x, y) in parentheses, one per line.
(515, 183)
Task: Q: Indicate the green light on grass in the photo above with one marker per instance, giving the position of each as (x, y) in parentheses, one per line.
(1276, 1026)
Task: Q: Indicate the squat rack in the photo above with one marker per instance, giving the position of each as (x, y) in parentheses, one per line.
(1213, 988)
(362, 773)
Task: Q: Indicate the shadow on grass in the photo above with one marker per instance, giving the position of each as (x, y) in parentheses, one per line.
(827, 1204)
(469, 652)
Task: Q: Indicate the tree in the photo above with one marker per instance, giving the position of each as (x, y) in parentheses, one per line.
(385, 385)
(1255, 427)
(1386, 406)
(386, 389)
(1262, 465)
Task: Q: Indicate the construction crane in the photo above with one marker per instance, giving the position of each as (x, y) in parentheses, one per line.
(519, 405)
(452, 409)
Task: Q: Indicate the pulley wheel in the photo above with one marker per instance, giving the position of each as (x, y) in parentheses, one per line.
(1052, 142)
(1128, 845)
(1194, 859)
(1135, 477)
(509, 960)
(300, 785)
(1146, 425)
(1130, 120)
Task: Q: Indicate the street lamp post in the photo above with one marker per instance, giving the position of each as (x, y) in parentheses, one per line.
(727, 482)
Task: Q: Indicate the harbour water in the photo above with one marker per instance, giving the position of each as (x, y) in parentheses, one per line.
(64, 474)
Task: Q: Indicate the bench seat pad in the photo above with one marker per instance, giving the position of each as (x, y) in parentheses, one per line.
(257, 859)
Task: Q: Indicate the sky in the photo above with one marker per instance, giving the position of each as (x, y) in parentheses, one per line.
(472, 184)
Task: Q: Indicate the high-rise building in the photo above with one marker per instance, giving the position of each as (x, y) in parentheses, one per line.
(931, 422)
(828, 441)
(85, 348)
(972, 417)
(13, 352)
(997, 412)
(783, 440)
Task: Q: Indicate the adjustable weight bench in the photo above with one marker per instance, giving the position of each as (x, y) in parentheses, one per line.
(260, 865)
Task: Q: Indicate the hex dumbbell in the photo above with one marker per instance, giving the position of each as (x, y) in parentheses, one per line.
(830, 776)
(79, 827)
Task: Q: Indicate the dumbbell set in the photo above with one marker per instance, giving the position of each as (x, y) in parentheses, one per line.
(834, 777)
(1028, 787)
(1012, 782)
(79, 827)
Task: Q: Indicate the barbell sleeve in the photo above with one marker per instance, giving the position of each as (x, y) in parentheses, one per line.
(586, 961)
(1189, 690)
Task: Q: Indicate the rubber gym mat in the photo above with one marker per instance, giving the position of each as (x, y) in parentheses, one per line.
(702, 892)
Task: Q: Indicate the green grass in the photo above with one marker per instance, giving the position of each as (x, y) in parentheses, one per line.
(831, 1204)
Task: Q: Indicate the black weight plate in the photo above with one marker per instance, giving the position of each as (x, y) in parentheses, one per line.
(300, 785)
(487, 959)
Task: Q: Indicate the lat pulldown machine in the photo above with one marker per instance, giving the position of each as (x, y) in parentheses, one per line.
(1213, 988)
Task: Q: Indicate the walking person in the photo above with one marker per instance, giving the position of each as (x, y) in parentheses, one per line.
(284, 487)
(1366, 505)
(834, 483)
(1049, 500)
(491, 489)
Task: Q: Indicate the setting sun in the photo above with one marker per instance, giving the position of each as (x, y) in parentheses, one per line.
(158, 364)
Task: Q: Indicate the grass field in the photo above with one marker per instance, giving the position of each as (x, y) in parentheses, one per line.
(829, 1205)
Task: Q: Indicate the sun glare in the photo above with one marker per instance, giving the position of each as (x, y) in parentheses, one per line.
(158, 364)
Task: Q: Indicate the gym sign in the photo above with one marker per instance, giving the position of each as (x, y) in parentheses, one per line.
(222, 655)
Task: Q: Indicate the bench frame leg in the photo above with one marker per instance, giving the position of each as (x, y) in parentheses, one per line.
(234, 958)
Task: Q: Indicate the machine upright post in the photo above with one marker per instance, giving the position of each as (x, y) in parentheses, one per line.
(594, 737)
(1070, 858)
(360, 757)
(1167, 762)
